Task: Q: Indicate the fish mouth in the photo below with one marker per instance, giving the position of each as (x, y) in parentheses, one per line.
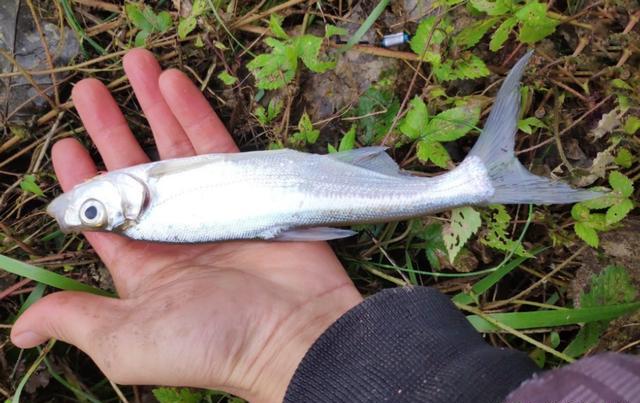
(58, 209)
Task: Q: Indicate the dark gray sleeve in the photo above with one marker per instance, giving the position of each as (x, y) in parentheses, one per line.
(406, 345)
(606, 377)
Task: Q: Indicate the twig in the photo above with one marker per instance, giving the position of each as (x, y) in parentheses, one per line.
(248, 20)
(103, 5)
(47, 141)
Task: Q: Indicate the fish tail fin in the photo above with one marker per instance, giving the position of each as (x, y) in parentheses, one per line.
(512, 182)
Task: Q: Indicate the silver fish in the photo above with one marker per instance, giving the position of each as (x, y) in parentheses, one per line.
(290, 195)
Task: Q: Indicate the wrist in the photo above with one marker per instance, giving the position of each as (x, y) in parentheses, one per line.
(294, 337)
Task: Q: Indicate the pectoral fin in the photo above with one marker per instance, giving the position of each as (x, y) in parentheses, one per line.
(313, 234)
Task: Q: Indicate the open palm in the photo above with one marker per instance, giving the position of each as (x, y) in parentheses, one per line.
(236, 316)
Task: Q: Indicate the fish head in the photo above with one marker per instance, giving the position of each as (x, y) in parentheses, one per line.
(109, 202)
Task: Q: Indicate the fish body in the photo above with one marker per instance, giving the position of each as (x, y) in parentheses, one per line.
(290, 195)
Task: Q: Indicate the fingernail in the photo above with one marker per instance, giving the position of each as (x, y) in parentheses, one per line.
(27, 339)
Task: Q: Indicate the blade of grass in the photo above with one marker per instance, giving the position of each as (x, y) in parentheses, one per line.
(35, 295)
(551, 318)
(47, 277)
(499, 325)
(489, 281)
(366, 25)
(76, 391)
(71, 20)
(31, 370)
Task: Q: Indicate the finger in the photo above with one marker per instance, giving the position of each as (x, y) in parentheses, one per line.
(73, 165)
(143, 72)
(73, 317)
(205, 130)
(106, 125)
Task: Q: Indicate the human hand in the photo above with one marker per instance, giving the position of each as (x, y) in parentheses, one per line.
(234, 316)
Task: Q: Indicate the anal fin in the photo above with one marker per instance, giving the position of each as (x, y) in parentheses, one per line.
(313, 234)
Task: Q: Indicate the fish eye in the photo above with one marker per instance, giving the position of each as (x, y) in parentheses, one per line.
(93, 213)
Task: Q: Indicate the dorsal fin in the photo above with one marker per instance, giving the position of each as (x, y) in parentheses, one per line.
(371, 158)
(177, 165)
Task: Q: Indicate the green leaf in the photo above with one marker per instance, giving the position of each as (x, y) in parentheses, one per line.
(586, 233)
(178, 395)
(348, 141)
(275, 25)
(423, 39)
(306, 132)
(624, 158)
(439, 155)
(308, 48)
(580, 212)
(453, 123)
(434, 151)
(552, 318)
(612, 286)
(632, 125)
(137, 18)
(46, 277)
(496, 236)
(530, 33)
(608, 200)
(415, 121)
(276, 69)
(501, 34)
(527, 125)
(465, 222)
(274, 108)
(618, 212)
(471, 35)
(597, 221)
(533, 12)
(535, 23)
(164, 21)
(444, 71)
(186, 25)
(261, 114)
(461, 69)
(498, 7)
(28, 184)
(618, 83)
(432, 235)
(227, 78)
(199, 7)
(332, 30)
(621, 184)
(141, 39)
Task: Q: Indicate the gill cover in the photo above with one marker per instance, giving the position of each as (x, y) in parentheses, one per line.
(107, 202)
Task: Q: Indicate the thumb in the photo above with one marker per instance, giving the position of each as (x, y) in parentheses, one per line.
(73, 317)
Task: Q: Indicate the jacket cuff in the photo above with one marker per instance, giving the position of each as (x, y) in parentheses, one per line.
(406, 344)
